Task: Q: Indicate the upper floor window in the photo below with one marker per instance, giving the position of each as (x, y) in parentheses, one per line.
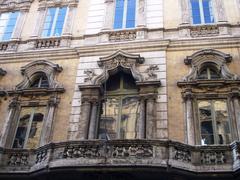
(202, 12)
(209, 72)
(121, 108)
(7, 25)
(28, 131)
(54, 21)
(40, 80)
(125, 14)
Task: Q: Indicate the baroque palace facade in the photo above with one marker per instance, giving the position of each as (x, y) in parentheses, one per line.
(120, 89)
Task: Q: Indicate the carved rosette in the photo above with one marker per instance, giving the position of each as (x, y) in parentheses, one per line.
(213, 157)
(18, 159)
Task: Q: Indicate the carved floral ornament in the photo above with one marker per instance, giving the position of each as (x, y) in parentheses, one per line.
(199, 59)
(40, 66)
(9, 5)
(54, 3)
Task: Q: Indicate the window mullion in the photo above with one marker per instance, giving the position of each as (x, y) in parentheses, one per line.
(29, 127)
(214, 122)
(54, 21)
(125, 13)
(201, 11)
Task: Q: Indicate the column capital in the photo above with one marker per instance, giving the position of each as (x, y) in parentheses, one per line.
(187, 94)
(14, 103)
(53, 101)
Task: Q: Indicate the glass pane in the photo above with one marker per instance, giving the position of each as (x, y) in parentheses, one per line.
(196, 12)
(203, 74)
(36, 128)
(118, 19)
(128, 82)
(129, 116)
(131, 7)
(23, 123)
(113, 82)
(60, 21)
(214, 74)
(108, 120)
(206, 122)
(222, 122)
(207, 9)
(48, 22)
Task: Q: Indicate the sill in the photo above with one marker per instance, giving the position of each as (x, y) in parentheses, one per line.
(36, 91)
(208, 83)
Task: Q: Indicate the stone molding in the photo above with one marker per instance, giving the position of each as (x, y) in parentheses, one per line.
(44, 66)
(13, 5)
(204, 31)
(57, 3)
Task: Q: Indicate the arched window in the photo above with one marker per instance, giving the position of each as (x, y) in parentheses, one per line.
(120, 110)
(39, 80)
(209, 71)
(29, 127)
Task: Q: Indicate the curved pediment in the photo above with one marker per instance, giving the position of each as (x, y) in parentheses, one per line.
(119, 60)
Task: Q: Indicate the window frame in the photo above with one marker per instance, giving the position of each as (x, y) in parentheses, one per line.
(53, 25)
(202, 97)
(202, 13)
(120, 94)
(124, 18)
(9, 19)
(33, 110)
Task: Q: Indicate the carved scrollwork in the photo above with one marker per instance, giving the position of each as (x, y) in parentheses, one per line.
(122, 36)
(116, 61)
(18, 159)
(213, 157)
(138, 151)
(90, 75)
(203, 31)
(151, 72)
(182, 155)
(81, 151)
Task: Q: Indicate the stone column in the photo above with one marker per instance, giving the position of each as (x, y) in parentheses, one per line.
(93, 121)
(10, 125)
(150, 114)
(236, 108)
(142, 120)
(141, 14)
(190, 134)
(220, 10)
(109, 15)
(48, 121)
(85, 118)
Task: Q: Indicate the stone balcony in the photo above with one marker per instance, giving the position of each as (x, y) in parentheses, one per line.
(97, 154)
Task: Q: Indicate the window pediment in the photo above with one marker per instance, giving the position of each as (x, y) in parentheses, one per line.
(209, 66)
(40, 75)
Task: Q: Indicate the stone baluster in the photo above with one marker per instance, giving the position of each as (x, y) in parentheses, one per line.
(93, 121)
(109, 15)
(48, 121)
(142, 120)
(10, 124)
(190, 137)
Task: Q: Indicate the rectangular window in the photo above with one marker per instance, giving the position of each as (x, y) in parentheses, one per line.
(54, 21)
(7, 25)
(125, 14)
(214, 122)
(202, 11)
(29, 127)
